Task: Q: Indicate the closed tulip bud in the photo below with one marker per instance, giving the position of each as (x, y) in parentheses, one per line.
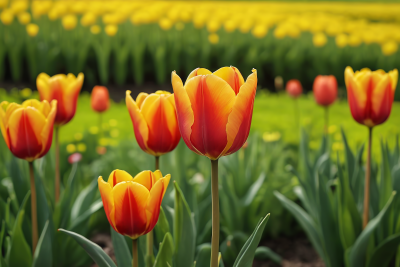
(215, 110)
(132, 205)
(69, 22)
(7, 17)
(100, 99)
(294, 88)
(28, 128)
(63, 88)
(32, 29)
(154, 121)
(325, 90)
(24, 18)
(370, 94)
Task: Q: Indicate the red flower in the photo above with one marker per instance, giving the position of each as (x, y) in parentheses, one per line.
(325, 90)
(294, 88)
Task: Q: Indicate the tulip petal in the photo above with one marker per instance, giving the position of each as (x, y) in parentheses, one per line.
(154, 202)
(130, 201)
(118, 176)
(157, 175)
(212, 99)
(72, 88)
(140, 98)
(139, 123)
(3, 122)
(184, 111)
(145, 178)
(232, 76)
(108, 201)
(197, 72)
(394, 75)
(43, 86)
(357, 91)
(47, 132)
(239, 120)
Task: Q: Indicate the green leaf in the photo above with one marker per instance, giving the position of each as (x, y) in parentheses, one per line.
(164, 256)
(358, 252)
(184, 231)
(383, 254)
(84, 200)
(162, 226)
(121, 250)
(265, 253)
(43, 254)
(86, 215)
(203, 258)
(94, 250)
(16, 171)
(255, 187)
(19, 253)
(246, 255)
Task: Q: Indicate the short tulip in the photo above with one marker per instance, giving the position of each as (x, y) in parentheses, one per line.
(100, 99)
(132, 205)
(370, 94)
(325, 90)
(154, 121)
(215, 110)
(294, 88)
(63, 88)
(28, 128)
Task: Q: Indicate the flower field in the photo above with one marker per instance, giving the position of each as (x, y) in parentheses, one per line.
(199, 134)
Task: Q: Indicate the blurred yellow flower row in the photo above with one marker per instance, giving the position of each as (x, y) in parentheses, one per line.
(350, 24)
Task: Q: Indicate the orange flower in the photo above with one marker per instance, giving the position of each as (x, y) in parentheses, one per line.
(154, 121)
(100, 99)
(215, 110)
(63, 88)
(370, 94)
(325, 89)
(28, 128)
(294, 88)
(132, 205)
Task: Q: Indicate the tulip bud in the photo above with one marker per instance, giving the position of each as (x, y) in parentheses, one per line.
(100, 99)
(75, 158)
(325, 90)
(32, 29)
(294, 88)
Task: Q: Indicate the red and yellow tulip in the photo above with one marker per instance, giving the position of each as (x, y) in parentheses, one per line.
(132, 205)
(215, 110)
(28, 128)
(100, 99)
(370, 94)
(154, 121)
(63, 88)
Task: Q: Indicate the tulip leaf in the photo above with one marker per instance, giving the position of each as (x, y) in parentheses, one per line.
(357, 254)
(184, 231)
(20, 183)
(121, 250)
(246, 255)
(255, 187)
(265, 253)
(383, 254)
(85, 216)
(204, 255)
(84, 200)
(164, 256)
(43, 254)
(162, 226)
(94, 250)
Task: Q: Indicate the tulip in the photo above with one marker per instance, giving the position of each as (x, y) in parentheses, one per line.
(294, 88)
(132, 205)
(100, 100)
(325, 93)
(214, 116)
(28, 132)
(65, 89)
(370, 95)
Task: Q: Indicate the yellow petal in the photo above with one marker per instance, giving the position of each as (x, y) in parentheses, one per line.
(394, 75)
(43, 86)
(232, 76)
(3, 122)
(381, 84)
(118, 176)
(140, 98)
(197, 72)
(145, 178)
(108, 200)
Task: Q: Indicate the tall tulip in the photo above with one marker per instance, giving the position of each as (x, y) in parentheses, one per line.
(100, 99)
(132, 205)
(370, 95)
(28, 132)
(65, 89)
(325, 93)
(156, 128)
(214, 116)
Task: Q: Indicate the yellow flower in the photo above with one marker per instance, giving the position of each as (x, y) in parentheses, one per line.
(32, 29)
(26, 92)
(260, 31)
(230, 25)
(3, 3)
(354, 40)
(165, 24)
(213, 38)
(94, 130)
(113, 122)
(24, 18)
(7, 17)
(271, 137)
(95, 29)
(245, 26)
(71, 148)
(337, 146)
(389, 48)
(332, 129)
(341, 40)
(69, 22)
(319, 39)
(81, 147)
(213, 26)
(78, 136)
(88, 19)
(103, 141)
(114, 133)
(19, 6)
(111, 30)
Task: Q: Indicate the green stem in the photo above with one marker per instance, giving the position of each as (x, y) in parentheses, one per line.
(297, 113)
(215, 214)
(100, 125)
(367, 181)
(326, 127)
(135, 262)
(157, 162)
(35, 235)
(57, 170)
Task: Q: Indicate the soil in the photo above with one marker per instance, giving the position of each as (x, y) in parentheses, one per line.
(295, 251)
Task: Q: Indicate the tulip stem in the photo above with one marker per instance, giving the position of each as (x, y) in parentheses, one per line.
(297, 113)
(326, 120)
(157, 162)
(215, 214)
(57, 181)
(100, 126)
(35, 235)
(367, 181)
(135, 261)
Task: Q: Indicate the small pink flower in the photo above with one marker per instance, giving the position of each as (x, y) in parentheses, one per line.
(75, 158)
